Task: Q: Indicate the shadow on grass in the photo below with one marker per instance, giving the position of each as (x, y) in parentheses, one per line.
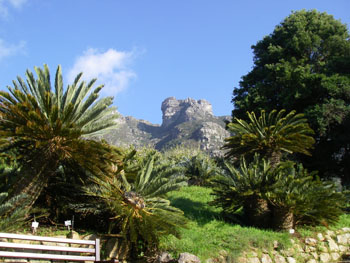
(196, 211)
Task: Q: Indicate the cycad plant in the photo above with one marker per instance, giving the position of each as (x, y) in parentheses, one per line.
(139, 212)
(286, 192)
(269, 135)
(241, 191)
(298, 197)
(200, 169)
(49, 125)
(276, 197)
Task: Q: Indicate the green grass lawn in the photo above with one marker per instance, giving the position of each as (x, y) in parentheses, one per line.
(207, 233)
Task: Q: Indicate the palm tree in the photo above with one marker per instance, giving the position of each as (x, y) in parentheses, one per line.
(47, 126)
(200, 169)
(300, 197)
(241, 191)
(139, 211)
(269, 135)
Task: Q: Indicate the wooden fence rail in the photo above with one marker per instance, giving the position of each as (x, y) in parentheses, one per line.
(49, 248)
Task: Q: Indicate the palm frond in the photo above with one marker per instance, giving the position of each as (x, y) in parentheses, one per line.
(13, 213)
(39, 118)
(269, 135)
(138, 210)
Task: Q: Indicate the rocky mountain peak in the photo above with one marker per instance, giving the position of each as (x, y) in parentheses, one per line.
(185, 122)
(179, 111)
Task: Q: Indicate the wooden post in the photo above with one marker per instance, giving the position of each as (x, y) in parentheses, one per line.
(97, 249)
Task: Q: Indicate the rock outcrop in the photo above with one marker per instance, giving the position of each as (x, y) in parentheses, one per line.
(180, 111)
(184, 122)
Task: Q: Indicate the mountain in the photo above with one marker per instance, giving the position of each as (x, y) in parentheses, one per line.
(186, 122)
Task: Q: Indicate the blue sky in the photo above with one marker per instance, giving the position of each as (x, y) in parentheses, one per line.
(145, 51)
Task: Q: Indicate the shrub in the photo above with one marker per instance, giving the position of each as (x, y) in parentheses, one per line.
(180, 153)
(241, 191)
(138, 212)
(279, 198)
(200, 169)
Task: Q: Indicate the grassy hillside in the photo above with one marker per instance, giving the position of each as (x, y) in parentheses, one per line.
(208, 234)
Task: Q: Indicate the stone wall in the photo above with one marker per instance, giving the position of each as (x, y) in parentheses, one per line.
(332, 246)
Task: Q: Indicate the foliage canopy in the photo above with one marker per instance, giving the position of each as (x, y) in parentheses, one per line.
(276, 197)
(47, 126)
(303, 65)
(269, 135)
(138, 212)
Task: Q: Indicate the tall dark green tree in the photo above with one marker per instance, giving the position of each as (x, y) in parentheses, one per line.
(303, 65)
(48, 126)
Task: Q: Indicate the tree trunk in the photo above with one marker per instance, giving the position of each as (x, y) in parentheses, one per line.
(274, 157)
(118, 248)
(283, 218)
(257, 211)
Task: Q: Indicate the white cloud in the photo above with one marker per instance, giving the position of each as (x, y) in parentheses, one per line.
(6, 4)
(110, 68)
(7, 50)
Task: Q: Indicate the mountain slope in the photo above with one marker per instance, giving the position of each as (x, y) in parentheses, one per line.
(184, 122)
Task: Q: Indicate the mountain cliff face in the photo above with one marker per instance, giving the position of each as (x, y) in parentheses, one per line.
(185, 122)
